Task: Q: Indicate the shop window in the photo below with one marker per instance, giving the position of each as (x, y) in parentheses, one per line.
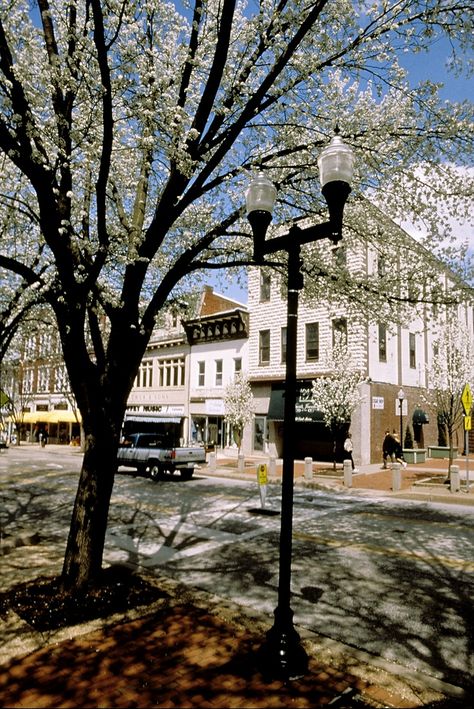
(259, 433)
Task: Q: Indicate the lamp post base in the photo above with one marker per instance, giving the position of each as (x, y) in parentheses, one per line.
(282, 656)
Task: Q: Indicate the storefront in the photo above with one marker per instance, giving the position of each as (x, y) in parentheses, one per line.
(169, 420)
(313, 438)
(208, 424)
(56, 426)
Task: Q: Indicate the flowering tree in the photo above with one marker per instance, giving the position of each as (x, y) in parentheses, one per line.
(238, 406)
(337, 395)
(128, 131)
(452, 367)
(14, 397)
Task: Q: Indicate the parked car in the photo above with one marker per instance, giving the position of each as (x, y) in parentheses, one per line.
(154, 455)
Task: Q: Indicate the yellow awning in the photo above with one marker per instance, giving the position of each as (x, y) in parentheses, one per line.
(50, 417)
(65, 417)
(36, 417)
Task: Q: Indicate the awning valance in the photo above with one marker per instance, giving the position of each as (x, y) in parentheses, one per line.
(152, 418)
(305, 410)
(50, 417)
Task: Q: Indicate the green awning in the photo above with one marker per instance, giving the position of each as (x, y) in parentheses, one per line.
(420, 416)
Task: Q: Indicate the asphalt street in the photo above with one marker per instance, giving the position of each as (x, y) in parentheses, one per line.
(391, 577)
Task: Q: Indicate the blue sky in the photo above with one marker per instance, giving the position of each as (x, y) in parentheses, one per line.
(432, 66)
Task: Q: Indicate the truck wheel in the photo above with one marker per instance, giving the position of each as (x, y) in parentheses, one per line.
(187, 473)
(155, 471)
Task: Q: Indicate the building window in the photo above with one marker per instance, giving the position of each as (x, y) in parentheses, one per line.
(61, 379)
(339, 327)
(237, 364)
(145, 374)
(264, 347)
(201, 374)
(412, 352)
(218, 379)
(381, 266)
(43, 379)
(413, 291)
(340, 255)
(265, 285)
(28, 380)
(45, 344)
(171, 372)
(283, 345)
(382, 342)
(312, 341)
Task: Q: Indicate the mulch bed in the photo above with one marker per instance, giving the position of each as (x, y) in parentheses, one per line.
(44, 604)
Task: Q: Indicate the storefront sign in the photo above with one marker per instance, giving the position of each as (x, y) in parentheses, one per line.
(378, 402)
(306, 410)
(214, 407)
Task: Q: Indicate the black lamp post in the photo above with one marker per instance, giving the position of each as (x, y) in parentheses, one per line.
(282, 655)
(401, 396)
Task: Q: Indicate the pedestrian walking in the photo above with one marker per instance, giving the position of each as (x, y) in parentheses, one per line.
(398, 450)
(348, 448)
(388, 449)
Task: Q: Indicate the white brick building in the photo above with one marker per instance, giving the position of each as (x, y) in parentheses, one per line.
(390, 358)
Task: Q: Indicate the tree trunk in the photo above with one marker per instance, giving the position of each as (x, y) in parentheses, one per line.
(85, 545)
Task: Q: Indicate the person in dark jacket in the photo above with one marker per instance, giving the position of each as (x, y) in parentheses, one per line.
(388, 448)
(398, 450)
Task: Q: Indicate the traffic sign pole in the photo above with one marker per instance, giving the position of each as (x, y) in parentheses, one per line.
(466, 400)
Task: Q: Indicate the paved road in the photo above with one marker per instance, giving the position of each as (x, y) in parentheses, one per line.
(395, 578)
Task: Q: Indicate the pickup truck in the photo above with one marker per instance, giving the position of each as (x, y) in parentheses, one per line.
(154, 455)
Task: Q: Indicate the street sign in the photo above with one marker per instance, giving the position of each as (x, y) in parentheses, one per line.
(262, 475)
(262, 478)
(467, 423)
(466, 399)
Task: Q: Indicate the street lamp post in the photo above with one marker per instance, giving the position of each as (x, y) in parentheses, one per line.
(401, 396)
(282, 655)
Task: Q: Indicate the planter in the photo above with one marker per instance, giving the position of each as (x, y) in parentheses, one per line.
(414, 455)
(438, 451)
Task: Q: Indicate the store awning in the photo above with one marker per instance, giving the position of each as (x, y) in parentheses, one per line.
(50, 417)
(420, 416)
(305, 410)
(37, 417)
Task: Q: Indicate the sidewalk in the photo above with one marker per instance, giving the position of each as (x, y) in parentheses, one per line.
(200, 651)
(193, 649)
(420, 481)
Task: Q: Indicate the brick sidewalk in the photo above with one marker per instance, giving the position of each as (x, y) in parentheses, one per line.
(368, 477)
(185, 656)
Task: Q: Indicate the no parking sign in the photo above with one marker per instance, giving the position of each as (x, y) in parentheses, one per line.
(262, 474)
(262, 479)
